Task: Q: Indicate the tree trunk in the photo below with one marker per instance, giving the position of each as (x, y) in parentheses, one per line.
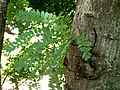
(100, 21)
(3, 11)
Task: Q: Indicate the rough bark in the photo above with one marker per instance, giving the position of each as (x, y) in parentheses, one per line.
(101, 17)
(3, 11)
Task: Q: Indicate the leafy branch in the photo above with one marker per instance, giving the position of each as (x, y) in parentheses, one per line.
(84, 46)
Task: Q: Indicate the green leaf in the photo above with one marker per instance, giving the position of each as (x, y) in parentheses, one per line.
(42, 14)
(86, 54)
(50, 16)
(46, 15)
(19, 65)
(87, 57)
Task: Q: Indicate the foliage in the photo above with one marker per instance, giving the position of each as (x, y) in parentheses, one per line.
(41, 47)
(54, 6)
(41, 44)
(13, 8)
(84, 46)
